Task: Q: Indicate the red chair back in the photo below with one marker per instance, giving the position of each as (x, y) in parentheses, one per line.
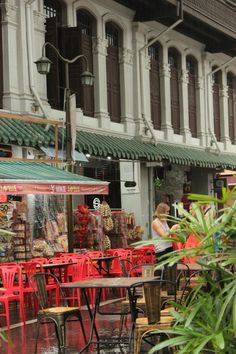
(94, 254)
(11, 276)
(41, 260)
(28, 269)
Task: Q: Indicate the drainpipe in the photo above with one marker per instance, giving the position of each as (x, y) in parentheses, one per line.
(30, 56)
(208, 77)
(180, 11)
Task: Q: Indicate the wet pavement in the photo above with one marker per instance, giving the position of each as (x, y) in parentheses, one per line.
(22, 338)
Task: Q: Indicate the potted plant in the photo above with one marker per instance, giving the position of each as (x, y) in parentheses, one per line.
(206, 321)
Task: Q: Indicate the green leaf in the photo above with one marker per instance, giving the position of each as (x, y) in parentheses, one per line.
(219, 340)
(234, 315)
(172, 342)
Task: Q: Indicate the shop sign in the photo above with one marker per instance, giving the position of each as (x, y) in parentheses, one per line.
(31, 188)
(96, 203)
(219, 183)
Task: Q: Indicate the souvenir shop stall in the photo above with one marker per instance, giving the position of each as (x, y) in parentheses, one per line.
(32, 208)
(104, 228)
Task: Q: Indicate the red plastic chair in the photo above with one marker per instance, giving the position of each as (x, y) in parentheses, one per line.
(94, 254)
(28, 269)
(81, 270)
(41, 260)
(191, 242)
(11, 290)
(60, 273)
(77, 273)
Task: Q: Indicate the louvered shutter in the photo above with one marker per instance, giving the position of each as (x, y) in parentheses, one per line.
(216, 110)
(1, 64)
(192, 106)
(74, 43)
(53, 79)
(155, 94)
(231, 104)
(113, 83)
(175, 111)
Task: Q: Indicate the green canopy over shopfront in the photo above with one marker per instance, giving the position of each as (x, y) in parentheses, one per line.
(41, 178)
(100, 145)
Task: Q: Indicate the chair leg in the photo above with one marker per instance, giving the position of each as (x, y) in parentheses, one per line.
(82, 328)
(37, 336)
(137, 342)
(62, 333)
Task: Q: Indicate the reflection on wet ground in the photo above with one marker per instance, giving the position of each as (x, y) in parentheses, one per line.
(22, 338)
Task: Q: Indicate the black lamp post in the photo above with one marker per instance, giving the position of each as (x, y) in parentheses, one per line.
(87, 78)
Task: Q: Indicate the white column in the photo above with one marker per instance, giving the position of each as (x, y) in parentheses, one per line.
(224, 112)
(210, 105)
(200, 104)
(166, 125)
(126, 91)
(10, 32)
(184, 109)
(100, 85)
(138, 40)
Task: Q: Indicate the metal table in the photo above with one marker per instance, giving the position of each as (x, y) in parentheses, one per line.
(103, 283)
(105, 260)
(60, 266)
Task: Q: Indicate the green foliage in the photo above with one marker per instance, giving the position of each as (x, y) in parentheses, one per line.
(206, 321)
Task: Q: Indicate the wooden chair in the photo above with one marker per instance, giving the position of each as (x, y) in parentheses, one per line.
(156, 319)
(58, 314)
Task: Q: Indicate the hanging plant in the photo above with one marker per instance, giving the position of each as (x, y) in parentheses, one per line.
(157, 183)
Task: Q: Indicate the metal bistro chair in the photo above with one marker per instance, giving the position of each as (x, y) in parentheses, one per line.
(156, 319)
(58, 315)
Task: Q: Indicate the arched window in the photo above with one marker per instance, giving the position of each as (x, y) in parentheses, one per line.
(191, 65)
(231, 82)
(85, 94)
(1, 63)
(174, 61)
(155, 87)
(53, 12)
(114, 38)
(216, 103)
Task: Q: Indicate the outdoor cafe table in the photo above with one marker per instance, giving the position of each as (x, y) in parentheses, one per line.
(59, 266)
(190, 266)
(103, 263)
(102, 283)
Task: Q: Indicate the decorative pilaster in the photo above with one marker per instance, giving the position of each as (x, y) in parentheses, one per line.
(184, 106)
(166, 125)
(100, 85)
(9, 12)
(224, 115)
(200, 104)
(126, 92)
(39, 21)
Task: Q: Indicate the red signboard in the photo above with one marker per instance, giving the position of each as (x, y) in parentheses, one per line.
(3, 198)
(52, 188)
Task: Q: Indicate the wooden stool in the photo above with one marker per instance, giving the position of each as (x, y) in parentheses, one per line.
(142, 327)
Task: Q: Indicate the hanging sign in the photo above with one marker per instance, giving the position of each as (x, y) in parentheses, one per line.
(50, 188)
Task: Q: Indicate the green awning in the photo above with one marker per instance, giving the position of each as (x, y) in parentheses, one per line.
(40, 178)
(24, 133)
(34, 135)
(103, 145)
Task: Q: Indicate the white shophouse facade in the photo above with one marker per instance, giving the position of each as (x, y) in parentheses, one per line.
(25, 91)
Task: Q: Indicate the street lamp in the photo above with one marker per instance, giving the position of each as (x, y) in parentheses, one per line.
(87, 78)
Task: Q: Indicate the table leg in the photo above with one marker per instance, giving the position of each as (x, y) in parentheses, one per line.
(92, 315)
